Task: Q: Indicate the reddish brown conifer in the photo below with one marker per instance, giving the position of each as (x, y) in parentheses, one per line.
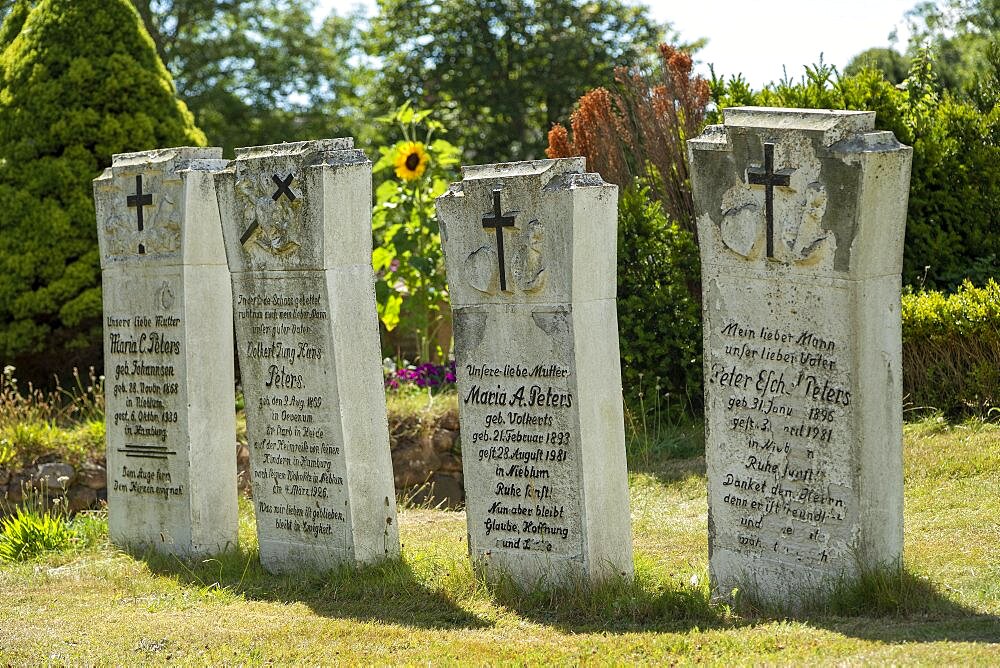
(641, 130)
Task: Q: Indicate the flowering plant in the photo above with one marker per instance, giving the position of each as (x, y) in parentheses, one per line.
(426, 376)
(409, 265)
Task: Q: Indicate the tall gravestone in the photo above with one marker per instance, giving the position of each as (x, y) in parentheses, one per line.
(297, 223)
(530, 256)
(800, 220)
(168, 351)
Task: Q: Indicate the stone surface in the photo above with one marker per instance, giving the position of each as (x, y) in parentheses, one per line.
(80, 497)
(168, 352)
(297, 223)
(444, 440)
(92, 475)
(54, 477)
(19, 485)
(536, 346)
(802, 347)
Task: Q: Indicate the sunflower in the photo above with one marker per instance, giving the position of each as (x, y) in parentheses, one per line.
(411, 160)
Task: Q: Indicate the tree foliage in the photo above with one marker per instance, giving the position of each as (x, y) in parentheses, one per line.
(82, 81)
(258, 71)
(659, 315)
(891, 63)
(15, 13)
(503, 71)
(955, 184)
(961, 34)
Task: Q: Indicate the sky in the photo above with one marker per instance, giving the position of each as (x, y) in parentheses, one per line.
(758, 37)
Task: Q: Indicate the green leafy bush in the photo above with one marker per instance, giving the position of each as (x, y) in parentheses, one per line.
(955, 186)
(951, 349)
(410, 284)
(80, 81)
(24, 442)
(29, 533)
(659, 316)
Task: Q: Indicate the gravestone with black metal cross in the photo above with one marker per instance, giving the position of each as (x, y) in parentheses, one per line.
(297, 224)
(800, 217)
(168, 353)
(530, 251)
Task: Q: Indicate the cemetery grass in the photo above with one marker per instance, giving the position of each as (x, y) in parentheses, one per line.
(95, 604)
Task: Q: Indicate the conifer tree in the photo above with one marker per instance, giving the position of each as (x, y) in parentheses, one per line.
(14, 22)
(81, 81)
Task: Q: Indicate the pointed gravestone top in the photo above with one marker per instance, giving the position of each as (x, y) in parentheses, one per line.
(144, 222)
(792, 193)
(285, 225)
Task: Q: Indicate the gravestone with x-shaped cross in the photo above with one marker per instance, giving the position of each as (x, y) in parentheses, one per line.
(310, 359)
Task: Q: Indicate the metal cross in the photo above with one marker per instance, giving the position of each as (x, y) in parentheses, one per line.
(283, 187)
(139, 200)
(769, 178)
(497, 222)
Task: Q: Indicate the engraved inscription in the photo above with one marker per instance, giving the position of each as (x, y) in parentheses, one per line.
(298, 465)
(145, 402)
(781, 397)
(523, 440)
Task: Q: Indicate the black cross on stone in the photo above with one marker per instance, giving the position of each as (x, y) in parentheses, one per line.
(139, 200)
(497, 222)
(767, 177)
(283, 187)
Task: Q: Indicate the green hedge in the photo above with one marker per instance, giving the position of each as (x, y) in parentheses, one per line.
(951, 349)
(659, 313)
(951, 232)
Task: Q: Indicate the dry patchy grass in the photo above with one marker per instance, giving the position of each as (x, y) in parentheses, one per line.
(102, 606)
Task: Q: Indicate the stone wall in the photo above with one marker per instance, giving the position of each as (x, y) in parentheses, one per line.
(426, 460)
(426, 466)
(83, 486)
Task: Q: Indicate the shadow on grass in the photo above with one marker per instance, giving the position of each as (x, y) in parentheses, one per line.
(887, 605)
(892, 607)
(650, 601)
(388, 592)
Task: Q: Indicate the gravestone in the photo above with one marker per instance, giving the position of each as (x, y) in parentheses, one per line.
(297, 224)
(800, 220)
(168, 351)
(530, 251)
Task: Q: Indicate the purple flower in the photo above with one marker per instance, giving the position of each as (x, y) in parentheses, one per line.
(425, 375)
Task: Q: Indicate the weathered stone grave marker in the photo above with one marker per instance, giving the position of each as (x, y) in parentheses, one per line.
(168, 350)
(800, 218)
(297, 223)
(530, 255)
